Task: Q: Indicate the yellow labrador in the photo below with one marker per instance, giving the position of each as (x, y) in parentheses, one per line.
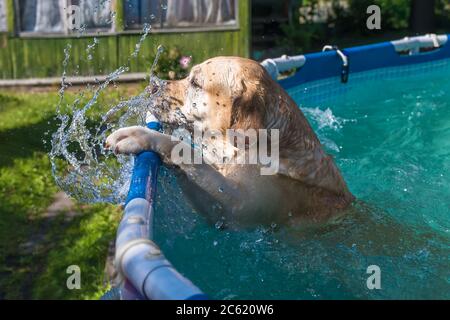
(226, 93)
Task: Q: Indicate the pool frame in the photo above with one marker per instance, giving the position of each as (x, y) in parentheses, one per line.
(328, 64)
(146, 273)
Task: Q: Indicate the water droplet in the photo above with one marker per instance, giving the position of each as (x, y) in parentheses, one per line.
(219, 225)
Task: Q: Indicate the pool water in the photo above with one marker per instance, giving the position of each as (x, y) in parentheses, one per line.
(391, 139)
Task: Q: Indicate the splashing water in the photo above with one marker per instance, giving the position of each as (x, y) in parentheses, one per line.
(137, 48)
(90, 48)
(326, 122)
(81, 165)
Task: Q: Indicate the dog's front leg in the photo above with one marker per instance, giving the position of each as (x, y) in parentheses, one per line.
(133, 140)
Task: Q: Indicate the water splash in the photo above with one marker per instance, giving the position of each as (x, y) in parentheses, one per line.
(90, 48)
(147, 29)
(324, 118)
(82, 167)
(325, 122)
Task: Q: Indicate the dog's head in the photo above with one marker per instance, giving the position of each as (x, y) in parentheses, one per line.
(221, 93)
(236, 93)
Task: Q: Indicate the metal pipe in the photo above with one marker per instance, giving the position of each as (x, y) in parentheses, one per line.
(414, 44)
(345, 63)
(283, 63)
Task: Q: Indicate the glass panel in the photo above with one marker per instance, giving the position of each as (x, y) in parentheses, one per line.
(139, 12)
(3, 23)
(95, 14)
(47, 16)
(41, 15)
(200, 12)
(179, 13)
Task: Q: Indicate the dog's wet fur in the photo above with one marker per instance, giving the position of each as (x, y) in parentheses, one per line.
(236, 93)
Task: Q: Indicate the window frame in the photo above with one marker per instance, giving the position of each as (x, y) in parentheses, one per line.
(97, 32)
(5, 30)
(114, 30)
(197, 28)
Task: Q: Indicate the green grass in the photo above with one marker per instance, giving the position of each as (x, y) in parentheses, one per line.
(38, 271)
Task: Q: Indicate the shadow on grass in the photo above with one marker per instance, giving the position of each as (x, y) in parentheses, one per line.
(35, 268)
(22, 142)
(36, 250)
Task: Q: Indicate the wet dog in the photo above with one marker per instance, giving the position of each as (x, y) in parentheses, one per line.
(231, 94)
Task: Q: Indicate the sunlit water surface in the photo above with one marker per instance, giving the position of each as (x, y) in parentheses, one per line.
(391, 140)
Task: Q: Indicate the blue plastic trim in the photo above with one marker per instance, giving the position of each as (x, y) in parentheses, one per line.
(145, 171)
(327, 64)
(155, 278)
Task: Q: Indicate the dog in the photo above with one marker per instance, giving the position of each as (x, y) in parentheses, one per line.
(232, 93)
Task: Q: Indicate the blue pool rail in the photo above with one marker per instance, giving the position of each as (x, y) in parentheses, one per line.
(328, 64)
(146, 273)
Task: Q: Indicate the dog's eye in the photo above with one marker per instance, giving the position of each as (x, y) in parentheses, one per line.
(194, 83)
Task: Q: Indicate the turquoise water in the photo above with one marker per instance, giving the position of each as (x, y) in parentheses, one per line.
(391, 139)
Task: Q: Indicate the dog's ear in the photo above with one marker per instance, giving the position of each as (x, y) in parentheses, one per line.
(247, 110)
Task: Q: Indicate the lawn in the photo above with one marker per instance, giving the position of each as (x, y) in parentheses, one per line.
(36, 247)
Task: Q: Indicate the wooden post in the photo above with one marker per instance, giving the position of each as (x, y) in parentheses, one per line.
(119, 23)
(245, 13)
(10, 17)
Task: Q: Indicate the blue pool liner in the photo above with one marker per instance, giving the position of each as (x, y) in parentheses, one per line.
(145, 173)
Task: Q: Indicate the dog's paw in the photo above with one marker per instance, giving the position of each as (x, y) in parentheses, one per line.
(130, 140)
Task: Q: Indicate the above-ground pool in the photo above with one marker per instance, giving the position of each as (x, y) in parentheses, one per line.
(383, 112)
(389, 131)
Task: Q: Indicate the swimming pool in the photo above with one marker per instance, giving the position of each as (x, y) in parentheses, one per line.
(389, 131)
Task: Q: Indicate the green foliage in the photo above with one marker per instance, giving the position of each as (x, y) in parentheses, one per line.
(343, 19)
(394, 15)
(84, 243)
(301, 38)
(169, 66)
(443, 15)
(36, 249)
(25, 192)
